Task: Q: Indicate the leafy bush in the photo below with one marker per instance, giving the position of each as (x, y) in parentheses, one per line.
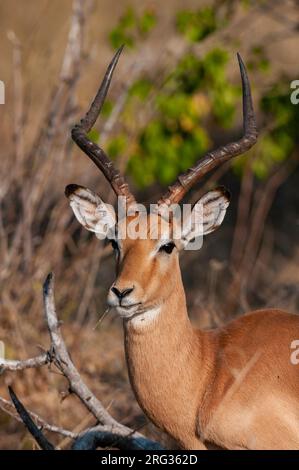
(130, 27)
(197, 25)
(196, 94)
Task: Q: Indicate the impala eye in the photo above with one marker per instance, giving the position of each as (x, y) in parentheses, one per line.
(114, 245)
(168, 247)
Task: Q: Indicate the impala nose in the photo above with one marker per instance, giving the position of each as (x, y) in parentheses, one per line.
(122, 293)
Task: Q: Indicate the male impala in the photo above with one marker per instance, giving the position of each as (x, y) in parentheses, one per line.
(234, 386)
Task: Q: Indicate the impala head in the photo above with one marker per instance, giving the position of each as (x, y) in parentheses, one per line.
(147, 245)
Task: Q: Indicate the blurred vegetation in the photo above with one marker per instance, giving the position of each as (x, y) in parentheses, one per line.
(197, 25)
(132, 27)
(281, 123)
(193, 99)
(177, 136)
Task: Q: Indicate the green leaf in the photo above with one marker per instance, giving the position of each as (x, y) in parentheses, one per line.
(130, 26)
(197, 25)
(128, 20)
(117, 145)
(117, 38)
(141, 88)
(147, 22)
(93, 135)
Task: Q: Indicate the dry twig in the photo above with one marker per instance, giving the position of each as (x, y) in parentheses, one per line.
(109, 432)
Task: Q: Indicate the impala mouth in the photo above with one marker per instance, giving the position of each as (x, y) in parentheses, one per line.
(127, 311)
(128, 307)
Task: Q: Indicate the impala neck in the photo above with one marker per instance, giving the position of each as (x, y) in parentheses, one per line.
(169, 320)
(165, 362)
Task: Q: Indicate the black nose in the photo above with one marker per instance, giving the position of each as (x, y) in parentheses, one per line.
(122, 293)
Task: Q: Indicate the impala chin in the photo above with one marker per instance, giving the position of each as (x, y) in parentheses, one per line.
(145, 317)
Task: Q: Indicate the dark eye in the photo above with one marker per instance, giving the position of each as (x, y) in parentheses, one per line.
(114, 245)
(168, 247)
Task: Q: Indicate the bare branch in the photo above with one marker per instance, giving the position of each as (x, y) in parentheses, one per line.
(97, 436)
(64, 363)
(69, 74)
(109, 432)
(38, 361)
(72, 55)
(18, 97)
(7, 407)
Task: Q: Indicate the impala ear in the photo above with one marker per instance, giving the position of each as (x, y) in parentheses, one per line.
(90, 210)
(207, 215)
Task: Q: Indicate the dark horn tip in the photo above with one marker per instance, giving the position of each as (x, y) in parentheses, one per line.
(239, 57)
(48, 283)
(71, 189)
(225, 192)
(118, 52)
(241, 63)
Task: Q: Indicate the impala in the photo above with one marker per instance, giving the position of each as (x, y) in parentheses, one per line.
(233, 386)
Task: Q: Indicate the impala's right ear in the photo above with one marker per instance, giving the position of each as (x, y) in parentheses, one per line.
(90, 210)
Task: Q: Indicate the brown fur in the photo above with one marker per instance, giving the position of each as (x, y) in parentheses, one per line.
(234, 386)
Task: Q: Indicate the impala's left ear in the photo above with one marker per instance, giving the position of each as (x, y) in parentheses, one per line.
(206, 216)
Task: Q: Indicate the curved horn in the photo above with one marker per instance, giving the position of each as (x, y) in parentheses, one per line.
(92, 150)
(212, 159)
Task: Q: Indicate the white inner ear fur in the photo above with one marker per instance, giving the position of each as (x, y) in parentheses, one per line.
(206, 216)
(92, 212)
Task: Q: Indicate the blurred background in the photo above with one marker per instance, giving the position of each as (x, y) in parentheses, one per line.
(176, 93)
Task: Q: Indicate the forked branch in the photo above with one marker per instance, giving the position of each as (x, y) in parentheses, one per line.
(108, 432)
